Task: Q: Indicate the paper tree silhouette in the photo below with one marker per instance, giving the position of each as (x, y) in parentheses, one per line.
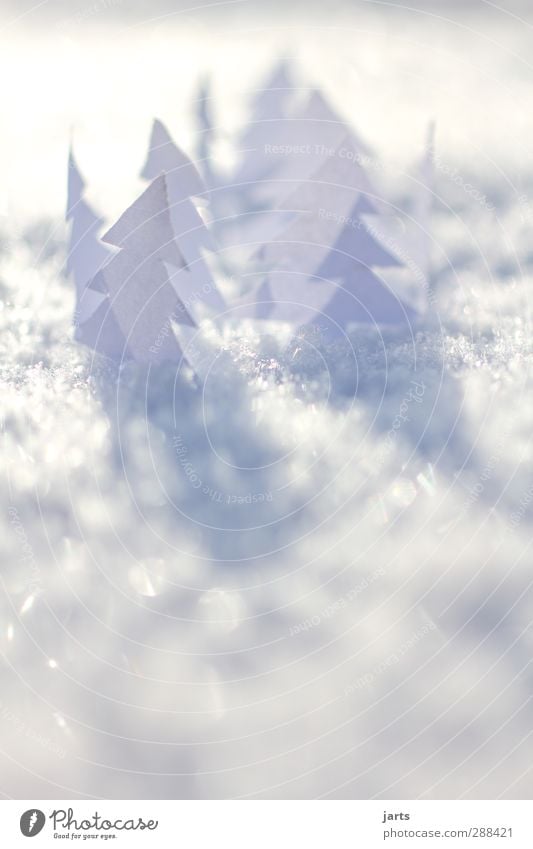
(86, 254)
(308, 139)
(287, 150)
(292, 148)
(321, 267)
(140, 306)
(190, 235)
(287, 139)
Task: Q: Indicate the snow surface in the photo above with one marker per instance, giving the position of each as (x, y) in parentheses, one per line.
(308, 573)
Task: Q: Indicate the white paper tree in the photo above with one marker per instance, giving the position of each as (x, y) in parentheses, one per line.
(322, 267)
(86, 254)
(292, 149)
(306, 141)
(183, 184)
(140, 307)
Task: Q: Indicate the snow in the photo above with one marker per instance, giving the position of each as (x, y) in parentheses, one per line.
(307, 572)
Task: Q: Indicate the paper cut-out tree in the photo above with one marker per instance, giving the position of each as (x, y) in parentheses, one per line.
(140, 308)
(306, 141)
(287, 137)
(184, 185)
(86, 254)
(290, 150)
(321, 268)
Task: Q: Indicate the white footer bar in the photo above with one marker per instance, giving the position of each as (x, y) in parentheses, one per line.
(268, 824)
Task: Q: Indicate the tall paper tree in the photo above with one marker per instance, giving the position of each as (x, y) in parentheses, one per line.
(141, 305)
(191, 236)
(300, 144)
(307, 139)
(287, 137)
(321, 267)
(86, 254)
